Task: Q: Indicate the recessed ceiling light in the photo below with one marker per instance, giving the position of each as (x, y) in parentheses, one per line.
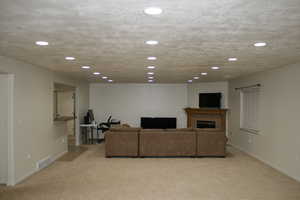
(85, 67)
(110, 80)
(196, 77)
(104, 77)
(151, 67)
(96, 73)
(153, 11)
(203, 73)
(190, 81)
(152, 42)
(215, 68)
(151, 77)
(260, 44)
(150, 73)
(232, 59)
(151, 58)
(150, 81)
(41, 43)
(69, 58)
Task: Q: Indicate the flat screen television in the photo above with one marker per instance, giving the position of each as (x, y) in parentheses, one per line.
(158, 122)
(210, 100)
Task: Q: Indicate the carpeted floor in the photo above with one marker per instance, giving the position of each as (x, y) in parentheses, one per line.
(91, 176)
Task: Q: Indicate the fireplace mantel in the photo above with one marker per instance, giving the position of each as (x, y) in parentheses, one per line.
(218, 116)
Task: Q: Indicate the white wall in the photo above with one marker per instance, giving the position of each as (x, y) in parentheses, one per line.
(4, 127)
(130, 102)
(210, 87)
(278, 142)
(36, 135)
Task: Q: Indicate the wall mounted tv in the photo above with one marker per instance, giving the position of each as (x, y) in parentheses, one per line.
(210, 100)
(158, 122)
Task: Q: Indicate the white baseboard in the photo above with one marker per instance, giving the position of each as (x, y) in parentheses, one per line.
(19, 180)
(54, 158)
(57, 156)
(265, 162)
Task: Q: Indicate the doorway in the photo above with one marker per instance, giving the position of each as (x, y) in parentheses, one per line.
(65, 110)
(6, 129)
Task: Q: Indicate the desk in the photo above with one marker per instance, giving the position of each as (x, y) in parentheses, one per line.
(84, 128)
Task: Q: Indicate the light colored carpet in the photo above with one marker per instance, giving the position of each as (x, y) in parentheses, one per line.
(73, 153)
(93, 177)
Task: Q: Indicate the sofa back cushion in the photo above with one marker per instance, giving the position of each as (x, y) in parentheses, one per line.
(180, 129)
(152, 130)
(125, 129)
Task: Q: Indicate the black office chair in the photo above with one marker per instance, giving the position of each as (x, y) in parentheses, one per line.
(105, 126)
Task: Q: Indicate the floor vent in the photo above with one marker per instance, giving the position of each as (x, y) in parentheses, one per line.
(43, 163)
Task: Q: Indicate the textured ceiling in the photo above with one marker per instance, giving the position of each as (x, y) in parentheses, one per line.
(194, 35)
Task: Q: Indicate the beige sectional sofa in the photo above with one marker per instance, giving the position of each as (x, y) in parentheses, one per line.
(136, 142)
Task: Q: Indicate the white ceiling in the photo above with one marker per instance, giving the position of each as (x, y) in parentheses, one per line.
(194, 35)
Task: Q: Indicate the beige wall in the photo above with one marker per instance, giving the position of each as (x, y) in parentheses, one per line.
(278, 142)
(36, 135)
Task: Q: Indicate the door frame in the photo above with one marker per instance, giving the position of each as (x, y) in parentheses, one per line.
(10, 137)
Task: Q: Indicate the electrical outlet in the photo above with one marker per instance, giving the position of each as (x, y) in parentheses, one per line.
(28, 156)
(249, 141)
(63, 140)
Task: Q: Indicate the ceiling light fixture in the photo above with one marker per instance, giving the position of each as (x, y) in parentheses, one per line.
(151, 67)
(196, 77)
(152, 42)
(190, 81)
(204, 73)
(151, 58)
(150, 77)
(110, 80)
(260, 44)
(104, 77)
(215, 68)
(150, 73)
(150, 81)
(85, 67)
(153, 11)
(41, 43)
(232, 59)
(96, 73)
(69, 58)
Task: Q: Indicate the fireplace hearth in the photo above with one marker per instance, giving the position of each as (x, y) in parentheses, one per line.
(206, 119)
(206, 124)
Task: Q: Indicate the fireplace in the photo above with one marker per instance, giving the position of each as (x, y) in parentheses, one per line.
(206, 124)
(206, 119)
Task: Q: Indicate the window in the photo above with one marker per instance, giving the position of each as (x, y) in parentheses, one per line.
(249, 109)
